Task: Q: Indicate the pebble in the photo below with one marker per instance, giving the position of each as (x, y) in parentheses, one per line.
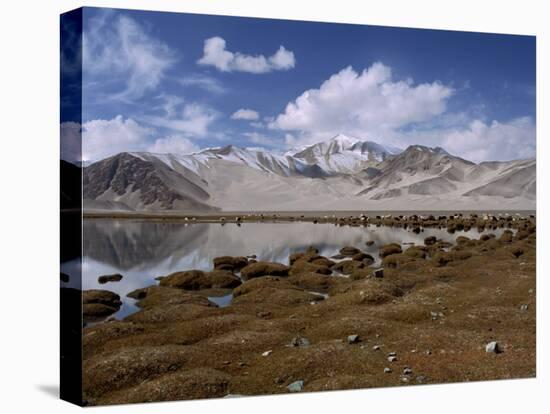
(299, 341)
(376, 348)
(296, 386)
(378, 273)
(353, 339)
(387, 370)
(407, 371)
(524, 307)
(267, 353)
(493, 347)
(392, 354)
(392, 358)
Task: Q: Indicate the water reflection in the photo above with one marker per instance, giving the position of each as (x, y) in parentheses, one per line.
(142, 250)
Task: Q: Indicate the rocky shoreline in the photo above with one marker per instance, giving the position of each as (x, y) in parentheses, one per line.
(431, 313)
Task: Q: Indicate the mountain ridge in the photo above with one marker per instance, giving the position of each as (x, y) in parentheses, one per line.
(341, 173)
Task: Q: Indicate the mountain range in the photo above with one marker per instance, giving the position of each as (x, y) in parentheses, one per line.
(343, 173)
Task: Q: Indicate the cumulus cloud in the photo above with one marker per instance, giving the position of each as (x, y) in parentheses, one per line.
(116, 47)
(246, 114)
(481, 141)
(216, 54)
(367, 104)
(173, 144)
(102, 138)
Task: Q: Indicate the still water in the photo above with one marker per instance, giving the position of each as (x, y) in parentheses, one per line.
(142, 250)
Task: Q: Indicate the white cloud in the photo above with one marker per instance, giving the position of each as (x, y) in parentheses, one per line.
(173, 144)
(204, 82)
(116, 47)
(193, 120)
(367, 104)
(495, 141)
(102, 138)
(246, 114)
(215, 54)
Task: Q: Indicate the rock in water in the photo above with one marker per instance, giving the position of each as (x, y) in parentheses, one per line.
(493, 348)
(349, 251)
(296, 386)
(117, 277)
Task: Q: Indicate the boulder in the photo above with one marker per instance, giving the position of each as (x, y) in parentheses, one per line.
(165, 296)
(94, 311)
(347, 267)
(430, 240)
(392, 248)
(302, 266)
(394, 261)
(117, 277)
(264, 269)
(105, 297)
(349, 251)
(416, 251)
(313, 281)
(363, 257)
(197, 280)
(230, 263)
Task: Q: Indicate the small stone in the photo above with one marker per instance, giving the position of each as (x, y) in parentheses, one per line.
(524, 307)
(428, 352)
(299, 341)
(267, 353)
(387, 370)
(296, 386)
(353, 339)
(392, 354)
(392, 358)
(493, 347)
(376, 348)
(404, 379)
(420, 379)
(378, 273)
(407, 371)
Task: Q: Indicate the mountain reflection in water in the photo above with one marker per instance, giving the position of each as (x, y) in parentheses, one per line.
(143, 250)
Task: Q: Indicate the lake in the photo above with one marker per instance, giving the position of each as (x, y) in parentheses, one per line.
(143, 250)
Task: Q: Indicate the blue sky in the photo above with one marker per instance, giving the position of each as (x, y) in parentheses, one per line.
(171, 82)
